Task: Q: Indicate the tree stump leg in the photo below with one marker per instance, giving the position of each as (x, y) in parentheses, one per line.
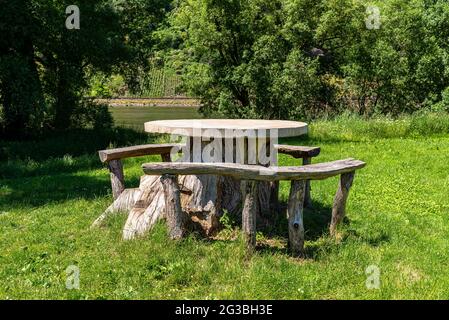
(166, 157)
(307, 197)
(173, 211)
(295, 217)
(117, 177)
(264, 197)
(339, 206)
(274, 196)
(147, 210)
(249, 215)
(200, 199)
(123, 203)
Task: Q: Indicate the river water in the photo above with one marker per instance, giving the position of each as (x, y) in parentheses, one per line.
(135, 117)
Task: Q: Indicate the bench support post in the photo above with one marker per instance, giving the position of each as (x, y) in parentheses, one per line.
(307, 198)
(274, 196)
(249, 214)
(175, 218)
(295, 217)
(339, 206)
(117, 177)
(165, 157)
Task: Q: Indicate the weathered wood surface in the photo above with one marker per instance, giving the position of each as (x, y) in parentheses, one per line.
(274, 196)
(209, 195)
(200, 199)
(166, 157)
(307, 198)
(298, 151)
(149, 208)
(136, 151)
(123, 204)
(295, 217)
(249, 214)
(306, 153)
(339, 205)
(176, 219)
(117, 177)
(196, 127)
(253, 172)
(203, 198)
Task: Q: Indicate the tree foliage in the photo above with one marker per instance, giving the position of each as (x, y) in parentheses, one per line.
(45, 67)
(304, 58)
(291, 59)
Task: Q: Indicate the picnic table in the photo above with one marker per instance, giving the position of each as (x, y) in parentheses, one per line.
(224, 166)
(206, 197)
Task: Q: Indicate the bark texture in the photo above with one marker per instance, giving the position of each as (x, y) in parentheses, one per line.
(249, 215)
(307, 198)
(175, 217)
(123, 204)
(339, 206)
(295, 217)
(149, 208)
(117, 177)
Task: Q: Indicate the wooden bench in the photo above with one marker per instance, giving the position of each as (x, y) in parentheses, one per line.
(252, 174)
(113, 158)
(306, 154)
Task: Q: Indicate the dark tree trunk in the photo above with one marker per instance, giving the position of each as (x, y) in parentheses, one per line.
(65, 100)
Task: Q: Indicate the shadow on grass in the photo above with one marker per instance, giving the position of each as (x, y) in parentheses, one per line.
(274, 228)
(374, 240)
(41, 171)
(76, 142)
(41, 190)
(15, 169)
(317, 219)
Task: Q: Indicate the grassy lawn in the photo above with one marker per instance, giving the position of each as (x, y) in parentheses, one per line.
(398, 220)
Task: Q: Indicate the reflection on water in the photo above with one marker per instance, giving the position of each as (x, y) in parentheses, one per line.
(135, 117)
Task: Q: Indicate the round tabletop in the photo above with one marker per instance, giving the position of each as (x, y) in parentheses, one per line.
(192, 127)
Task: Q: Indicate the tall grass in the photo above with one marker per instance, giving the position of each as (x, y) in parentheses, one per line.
(350, 127)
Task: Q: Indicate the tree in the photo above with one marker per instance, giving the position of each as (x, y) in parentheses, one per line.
(303, 58)
(21, 95)
(44, 67)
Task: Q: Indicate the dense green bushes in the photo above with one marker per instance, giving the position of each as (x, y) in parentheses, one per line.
(302, 59)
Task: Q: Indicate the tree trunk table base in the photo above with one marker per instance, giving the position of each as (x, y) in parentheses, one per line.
(204, 198)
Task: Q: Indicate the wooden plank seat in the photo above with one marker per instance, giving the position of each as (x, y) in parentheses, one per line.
(113, 158)
(304, 152)
(298, 151)
(253, 174)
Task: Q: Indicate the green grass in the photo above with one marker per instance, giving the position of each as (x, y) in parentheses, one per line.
(398, 220)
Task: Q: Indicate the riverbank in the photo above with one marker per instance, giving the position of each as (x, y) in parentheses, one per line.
(150, 102)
